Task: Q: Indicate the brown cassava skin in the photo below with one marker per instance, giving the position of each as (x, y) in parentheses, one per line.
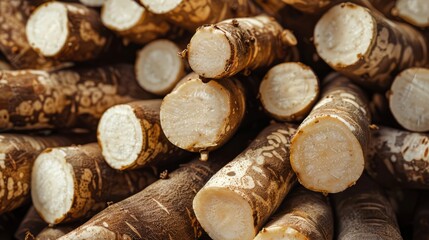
(247, 37)
(364, 212)
(167, 201)
(398, 157)
(266, 162)
(33, 99)
(13, 40)
(87, 38)
(156, 148)
(340, 99)
(307, 212)
(31, 225)
(421, 222)
(395, 47)
(17, 154)
(309, 6)
(191, 14)
(96, 183)
(53, 233)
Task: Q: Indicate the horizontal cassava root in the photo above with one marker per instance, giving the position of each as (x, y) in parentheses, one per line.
(133, 22)
(34, 99)
(17, 155)
(380, 49)
(67, 31)
(223, 49)
(303, 215)
(289, 91)
(328, 151)
(408, 99)
(72, 183)
(399, 158)
(159, 67)
(30, 226)
(164, 209)
(200, 117)
(239, 198)
(138, 140)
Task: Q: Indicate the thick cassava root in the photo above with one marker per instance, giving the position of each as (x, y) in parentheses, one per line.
(138, 140)
(17, 156)
(329, 149)
(289, 91)
(303, 215)
(31, 225)
(200, 116)
(33, 99)
(223, 49)
(408, 99)
(237, 200)
(367, 47)
(413, 11)
(159, 67)
(72, 183)
(133, 22)
(167, 201)
(67, 31)
(398, 157)
(364, 212)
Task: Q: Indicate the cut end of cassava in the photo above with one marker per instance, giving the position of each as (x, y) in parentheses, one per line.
(209, 45)
(47, 28)
(121, 15)
(52, 185)
(288, 91)
(224, 214)
(280, 233)
(120, 136)
(195, 115)
(414, 11)
(159, 67)
(344, 34)
(326, 156)
(161, 6)
(93, 3)
(408, 99)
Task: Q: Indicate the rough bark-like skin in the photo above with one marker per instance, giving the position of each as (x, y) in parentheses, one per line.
(31, 225)
(255, 42)
(421, 219)
(398, 157)
(164, 209)
(156, 148)
(395, 47)
(190, 14)
(17, 155)
(39, 100)
(53, 233)
(261, 174)
(307, 212)
(308, 6)
(13, 40)
(364, 212)
(96, 184)
(87, 38)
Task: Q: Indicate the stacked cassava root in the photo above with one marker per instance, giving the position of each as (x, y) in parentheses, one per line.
(240, 119)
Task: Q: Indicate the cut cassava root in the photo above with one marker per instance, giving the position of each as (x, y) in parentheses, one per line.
(72, 183)
(200, 116)
(223, 49)
(380, 49)
(159, 67)
(133, 22)
(302, 215)
(408, 99)
(67, 31)
(364, 212)
(17, 155)
(167, 201)
(138, 140)
(93, 3)
(399, 158)
(238, 199)
(329, 149)
(413, 11)
(289, 91)
(33, 99)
